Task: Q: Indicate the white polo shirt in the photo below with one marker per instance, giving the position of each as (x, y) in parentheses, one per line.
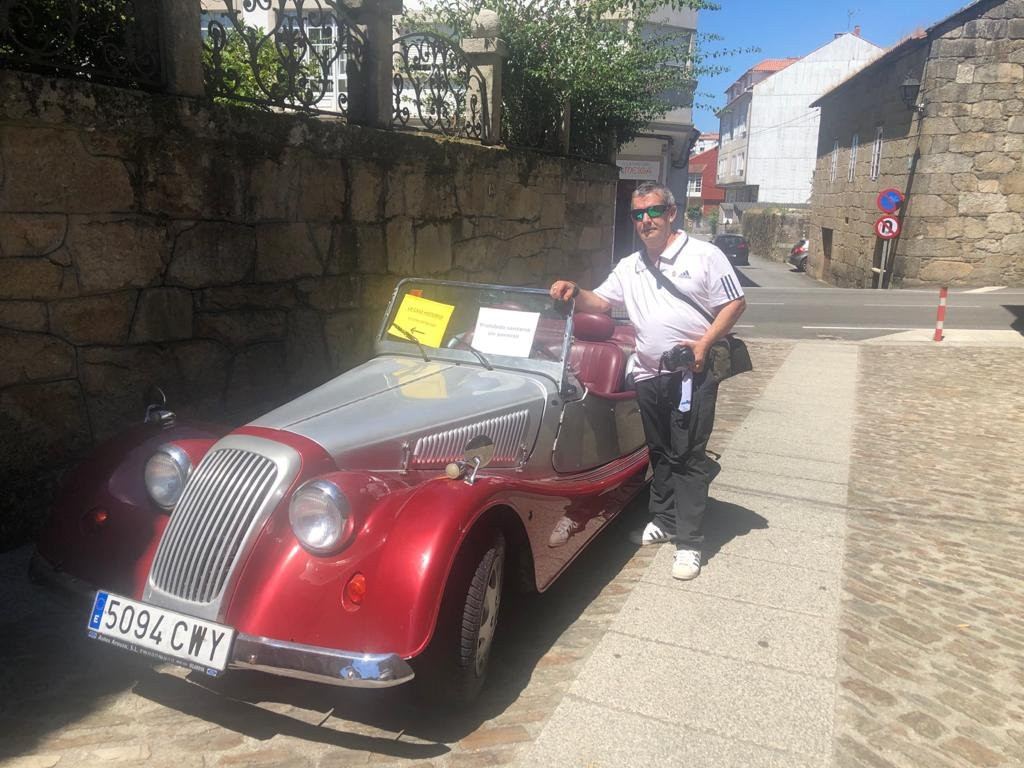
(698, 269)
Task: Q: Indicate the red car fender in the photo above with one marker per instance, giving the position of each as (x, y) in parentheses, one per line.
(104, 528)
(427, 536)
(406, 540)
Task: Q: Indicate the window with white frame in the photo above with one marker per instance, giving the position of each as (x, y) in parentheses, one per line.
(852, 170)
(876, 153)
(835, 161)
(693, 188)
(739, 166)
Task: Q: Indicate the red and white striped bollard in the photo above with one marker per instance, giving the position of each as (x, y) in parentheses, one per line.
(941, 316)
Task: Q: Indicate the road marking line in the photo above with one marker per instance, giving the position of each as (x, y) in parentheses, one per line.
(926, 306)
(743, 326)
(766, 303)
(856, 328)
(986, 289)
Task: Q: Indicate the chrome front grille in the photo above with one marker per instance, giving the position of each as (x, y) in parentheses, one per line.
(506, 431)
(206, 531)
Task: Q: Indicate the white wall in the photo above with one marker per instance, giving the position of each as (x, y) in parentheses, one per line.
(783, 129)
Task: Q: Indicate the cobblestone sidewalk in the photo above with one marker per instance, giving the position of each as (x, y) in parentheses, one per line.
(931, 669)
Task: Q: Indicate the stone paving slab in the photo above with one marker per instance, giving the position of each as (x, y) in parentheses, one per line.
(758, 582)
(772, 462)
(773, 543)
(786, 511)
(743, 631)
(758, 481)
(732, 698)
(633, 740)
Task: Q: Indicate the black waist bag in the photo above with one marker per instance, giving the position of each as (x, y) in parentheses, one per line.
(728, 356)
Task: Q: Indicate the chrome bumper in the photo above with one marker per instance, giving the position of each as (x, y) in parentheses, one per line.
(323, 665)
(275, 657)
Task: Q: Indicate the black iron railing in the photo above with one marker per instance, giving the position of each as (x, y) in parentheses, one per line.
(436, 88)
(305, 61)
(112, 41)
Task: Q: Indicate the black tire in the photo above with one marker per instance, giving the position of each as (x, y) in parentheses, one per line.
(452, 671)
(802, 266)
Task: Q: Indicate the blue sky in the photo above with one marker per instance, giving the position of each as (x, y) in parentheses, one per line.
(782, 28)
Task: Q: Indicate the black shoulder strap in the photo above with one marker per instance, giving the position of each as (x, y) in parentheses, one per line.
(667, 284)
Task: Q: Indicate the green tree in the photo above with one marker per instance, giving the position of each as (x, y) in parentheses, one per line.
(694, 213)
(713, 221)
(603, 64)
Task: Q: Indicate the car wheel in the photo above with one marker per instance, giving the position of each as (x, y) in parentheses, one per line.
(455, 666)
(802, 266)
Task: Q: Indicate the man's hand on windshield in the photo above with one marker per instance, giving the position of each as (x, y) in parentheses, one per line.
(563, 290)
(586, 301)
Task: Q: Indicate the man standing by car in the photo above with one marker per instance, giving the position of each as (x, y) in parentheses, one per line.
(677, 407)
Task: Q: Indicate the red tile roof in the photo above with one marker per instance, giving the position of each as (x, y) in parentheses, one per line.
(773, 65)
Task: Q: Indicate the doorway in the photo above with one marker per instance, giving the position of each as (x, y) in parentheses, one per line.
(826, 254)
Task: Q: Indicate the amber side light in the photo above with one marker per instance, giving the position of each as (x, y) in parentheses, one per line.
(94, 520)
(355, 590)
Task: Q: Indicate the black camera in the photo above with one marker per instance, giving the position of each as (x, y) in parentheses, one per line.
(677, 358)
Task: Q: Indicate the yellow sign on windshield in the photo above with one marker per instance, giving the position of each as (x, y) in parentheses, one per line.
(423, 318)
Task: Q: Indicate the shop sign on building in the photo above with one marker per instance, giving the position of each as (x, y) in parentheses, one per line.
(639, 170)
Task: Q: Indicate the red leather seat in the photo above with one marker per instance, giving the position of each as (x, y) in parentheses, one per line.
(598, 363)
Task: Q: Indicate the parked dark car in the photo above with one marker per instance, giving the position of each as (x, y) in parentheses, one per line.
(735, 247)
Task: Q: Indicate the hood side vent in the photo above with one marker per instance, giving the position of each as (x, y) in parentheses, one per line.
(506, 431)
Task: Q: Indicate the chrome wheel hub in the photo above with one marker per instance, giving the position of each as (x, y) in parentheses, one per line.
(489, 613)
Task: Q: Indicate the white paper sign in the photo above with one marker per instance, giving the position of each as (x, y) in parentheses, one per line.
(505, 331)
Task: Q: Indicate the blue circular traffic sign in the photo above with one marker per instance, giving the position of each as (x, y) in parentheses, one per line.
(889, 200)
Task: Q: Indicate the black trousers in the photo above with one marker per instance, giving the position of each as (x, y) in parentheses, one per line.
(679, 462)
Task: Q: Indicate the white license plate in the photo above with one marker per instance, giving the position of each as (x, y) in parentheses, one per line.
(168, 635)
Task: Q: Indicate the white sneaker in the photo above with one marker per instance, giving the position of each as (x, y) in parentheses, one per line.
(652, 534)
(563, 529)
(686, 566)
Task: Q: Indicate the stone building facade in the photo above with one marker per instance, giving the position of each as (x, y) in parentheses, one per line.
(958, 160)
(233, 257)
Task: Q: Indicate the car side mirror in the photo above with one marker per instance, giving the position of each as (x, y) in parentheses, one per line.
(157, 411)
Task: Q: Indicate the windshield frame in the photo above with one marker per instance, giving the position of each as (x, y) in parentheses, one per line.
(558, 372)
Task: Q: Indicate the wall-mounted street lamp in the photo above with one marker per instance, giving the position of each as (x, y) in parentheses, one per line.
(909, 90)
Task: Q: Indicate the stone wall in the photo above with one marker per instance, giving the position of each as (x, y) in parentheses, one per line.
(963, 218)
(848, 208)
(233, 257)
(772, 232)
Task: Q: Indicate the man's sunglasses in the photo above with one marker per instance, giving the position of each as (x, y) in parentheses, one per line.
(654, 211)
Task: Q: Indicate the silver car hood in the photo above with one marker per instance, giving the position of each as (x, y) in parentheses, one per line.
(397, 411)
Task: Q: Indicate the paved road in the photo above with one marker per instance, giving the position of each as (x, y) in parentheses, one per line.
(860, 608)
(786, 304)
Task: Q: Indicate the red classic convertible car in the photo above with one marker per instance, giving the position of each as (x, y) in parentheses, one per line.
(366, 528)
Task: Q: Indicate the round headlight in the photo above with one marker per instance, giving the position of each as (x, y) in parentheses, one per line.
(166, 473)
(319, 514)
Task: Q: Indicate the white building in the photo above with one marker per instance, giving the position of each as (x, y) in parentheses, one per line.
(704, 143)
(769, 131)
(661, 153)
